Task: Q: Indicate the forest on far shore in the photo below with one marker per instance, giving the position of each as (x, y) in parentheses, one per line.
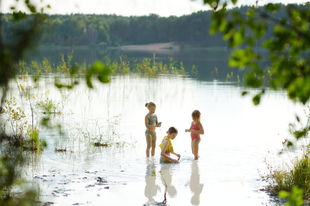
(113, 30)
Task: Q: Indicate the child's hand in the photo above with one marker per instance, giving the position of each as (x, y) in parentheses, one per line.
(187, 130)
(159, 124)
(179, 156)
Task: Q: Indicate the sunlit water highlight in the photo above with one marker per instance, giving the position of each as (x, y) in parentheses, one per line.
(238, 136)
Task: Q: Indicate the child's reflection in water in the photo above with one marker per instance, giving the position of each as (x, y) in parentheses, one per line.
(167, 177)
(195, 185)
(151, 187)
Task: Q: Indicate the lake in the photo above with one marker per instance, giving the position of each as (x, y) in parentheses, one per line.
(238, 136)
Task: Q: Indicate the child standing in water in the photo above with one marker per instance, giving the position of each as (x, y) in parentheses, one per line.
(196, 130)
(167, 147)
(151, 122)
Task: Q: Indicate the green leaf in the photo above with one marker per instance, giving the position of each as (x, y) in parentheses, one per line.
(218, 21)
(251, 41)
(272, 7)
(260, 30)
(244, 93)
(300, 133)
(256, 99)
(252, 80)
(30, 7)
(237, 38)
(236, 58)
(299, 89)
(19, 15)
(44, 144)
(294, 198)
(283, 194)
(234, 1)
(213, 3)
(100, 70)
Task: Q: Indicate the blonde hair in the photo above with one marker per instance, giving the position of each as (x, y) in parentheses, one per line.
(150, 104)
(196, 114)
(172, 130)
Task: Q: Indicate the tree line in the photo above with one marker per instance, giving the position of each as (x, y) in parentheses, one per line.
(113, 30)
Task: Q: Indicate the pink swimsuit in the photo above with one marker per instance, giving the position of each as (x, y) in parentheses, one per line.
(193, 134)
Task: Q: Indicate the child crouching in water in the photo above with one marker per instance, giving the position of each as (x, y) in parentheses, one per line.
(167, 147)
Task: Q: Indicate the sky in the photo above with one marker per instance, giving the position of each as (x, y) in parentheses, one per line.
(125, 7)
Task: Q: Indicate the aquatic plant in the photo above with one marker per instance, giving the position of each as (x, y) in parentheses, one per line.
(147, 67)
(12, 49)
(98, 133)
(229, 76)
(215, 72)
(194, 70)
(293, 173)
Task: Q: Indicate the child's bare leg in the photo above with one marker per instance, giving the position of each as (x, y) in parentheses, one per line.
(148, 144)
(153, 145)
(196, 148)
(192, 145)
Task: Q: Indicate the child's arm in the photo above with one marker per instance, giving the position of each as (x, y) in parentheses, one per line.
(200, 131)
(178, 155)
(188, 130)
(201, 128)
(157, 124)
(163, 154)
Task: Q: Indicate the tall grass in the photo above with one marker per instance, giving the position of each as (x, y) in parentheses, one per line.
(149, 67)
(146, 67)
(293, 173)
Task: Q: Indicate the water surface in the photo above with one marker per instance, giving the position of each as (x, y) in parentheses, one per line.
(238, 136)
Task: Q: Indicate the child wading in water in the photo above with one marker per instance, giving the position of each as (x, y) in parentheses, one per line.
(196, 130)
(167, 147)
(151, 122)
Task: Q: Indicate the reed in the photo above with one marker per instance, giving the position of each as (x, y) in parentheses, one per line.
(295, 173)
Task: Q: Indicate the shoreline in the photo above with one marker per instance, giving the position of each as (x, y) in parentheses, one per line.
(157, 47)
(152, 47)
(170, 46)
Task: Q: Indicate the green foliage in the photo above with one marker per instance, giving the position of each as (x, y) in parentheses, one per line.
(284, 31)
(272, 7)
(99, 70)
(19, 15)
(10, 177)
(295, 198)
(147, 67)
(23, 32)
(290, 34)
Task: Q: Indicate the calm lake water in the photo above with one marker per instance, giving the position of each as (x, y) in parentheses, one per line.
(238, 137)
